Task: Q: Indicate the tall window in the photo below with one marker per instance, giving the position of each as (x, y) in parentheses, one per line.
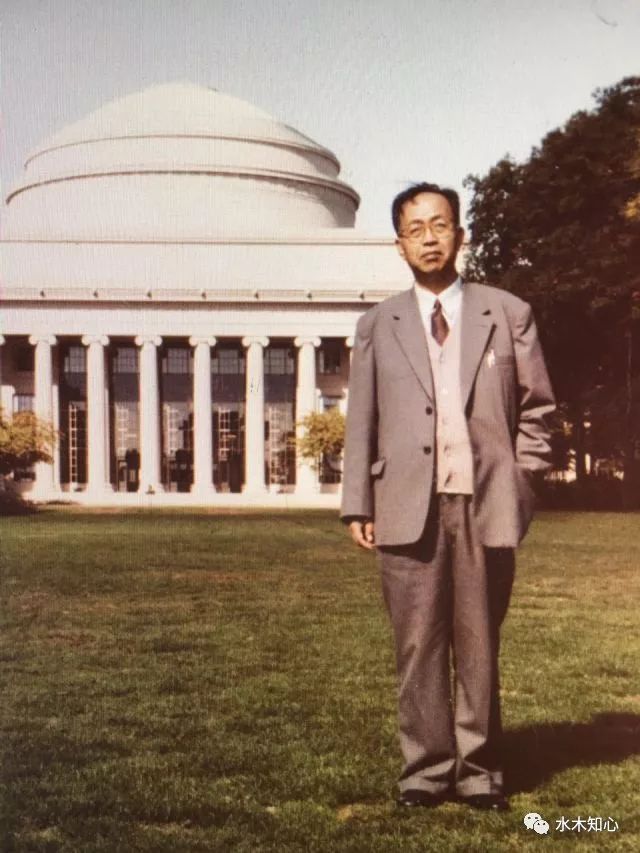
(176, 393)
(73, 415)
(228, 361)
(280, 393)
(124, 432)
(23, 403)
(279, 361)
(177, 361)
(125, 359)
(75, 360)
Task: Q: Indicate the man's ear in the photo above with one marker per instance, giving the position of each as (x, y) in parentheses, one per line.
(459, 237)
(400, 249)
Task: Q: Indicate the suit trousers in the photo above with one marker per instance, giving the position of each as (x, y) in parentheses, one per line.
(447, 596)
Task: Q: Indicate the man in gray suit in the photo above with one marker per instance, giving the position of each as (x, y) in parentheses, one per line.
(446, 431)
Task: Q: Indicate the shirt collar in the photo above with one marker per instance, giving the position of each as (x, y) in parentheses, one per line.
(450, 299)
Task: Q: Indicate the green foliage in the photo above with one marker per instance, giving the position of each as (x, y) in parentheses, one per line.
(24, 440)
(632, 210)
(557, 224)
(323, 436)
(562, 230)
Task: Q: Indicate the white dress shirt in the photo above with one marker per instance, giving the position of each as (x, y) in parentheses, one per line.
(450, 299)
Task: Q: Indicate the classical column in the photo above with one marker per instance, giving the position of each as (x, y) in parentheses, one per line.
(45, 485)
(6, 391)
(306, 476)
(6, 413)
(254, 418)
(97, 416)
(150, 433)
(56, 425)
(202, 427)
(348, 342)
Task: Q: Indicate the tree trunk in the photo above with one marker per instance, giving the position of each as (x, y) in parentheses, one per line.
(579, 446)
(630, 485)
(630, 473)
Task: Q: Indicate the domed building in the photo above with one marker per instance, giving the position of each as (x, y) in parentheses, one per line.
(180, 282)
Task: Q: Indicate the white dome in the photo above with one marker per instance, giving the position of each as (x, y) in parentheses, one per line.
(177, 161)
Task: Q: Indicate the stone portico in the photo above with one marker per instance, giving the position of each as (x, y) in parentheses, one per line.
(181, 281)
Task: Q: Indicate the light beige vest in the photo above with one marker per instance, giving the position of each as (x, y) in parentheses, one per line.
(454, 459)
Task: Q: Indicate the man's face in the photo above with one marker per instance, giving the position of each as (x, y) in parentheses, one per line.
(429, 239)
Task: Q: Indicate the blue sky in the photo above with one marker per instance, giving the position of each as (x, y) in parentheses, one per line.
(400, 91)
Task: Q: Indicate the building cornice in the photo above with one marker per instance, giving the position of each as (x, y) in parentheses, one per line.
(332, 237)
(317, 150)
(245, 172)
(191, 296)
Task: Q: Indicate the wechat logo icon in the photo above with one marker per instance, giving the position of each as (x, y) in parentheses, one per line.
(536, 822)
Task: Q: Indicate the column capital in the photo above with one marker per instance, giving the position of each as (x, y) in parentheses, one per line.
(255, 339)
(349, 342)
(34, 340)
(194, 340)
(143, 340)
(87, 340)
(302, 340)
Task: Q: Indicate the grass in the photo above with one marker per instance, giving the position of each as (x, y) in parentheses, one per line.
(180, 681)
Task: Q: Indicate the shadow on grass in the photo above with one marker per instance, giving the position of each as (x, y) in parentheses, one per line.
(12, 503)
(534, 754)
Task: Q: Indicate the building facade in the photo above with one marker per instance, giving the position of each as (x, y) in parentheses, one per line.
(180, 282)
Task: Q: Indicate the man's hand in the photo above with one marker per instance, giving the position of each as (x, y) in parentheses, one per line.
(362, 533)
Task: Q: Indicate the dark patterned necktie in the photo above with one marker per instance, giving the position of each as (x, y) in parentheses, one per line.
(439, 325)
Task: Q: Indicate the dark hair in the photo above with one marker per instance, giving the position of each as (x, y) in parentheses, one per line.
(416, 189)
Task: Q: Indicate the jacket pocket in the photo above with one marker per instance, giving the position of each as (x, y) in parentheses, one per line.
(378, 467)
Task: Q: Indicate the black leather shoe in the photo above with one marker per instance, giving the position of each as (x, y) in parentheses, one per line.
(415, 797)
(487, 802)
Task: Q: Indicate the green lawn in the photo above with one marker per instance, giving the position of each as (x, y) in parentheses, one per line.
(181, 681)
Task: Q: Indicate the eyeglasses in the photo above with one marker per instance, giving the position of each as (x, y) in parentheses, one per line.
(417, 230)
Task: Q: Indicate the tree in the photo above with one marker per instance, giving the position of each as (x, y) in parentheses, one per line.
(632, 210)
(562, 231)
(24, 440)
(323, 435)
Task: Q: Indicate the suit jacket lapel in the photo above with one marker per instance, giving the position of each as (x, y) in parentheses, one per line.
(409, 331)
(476, 327)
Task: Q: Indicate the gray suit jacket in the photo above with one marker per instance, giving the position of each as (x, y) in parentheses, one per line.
(390, 435)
